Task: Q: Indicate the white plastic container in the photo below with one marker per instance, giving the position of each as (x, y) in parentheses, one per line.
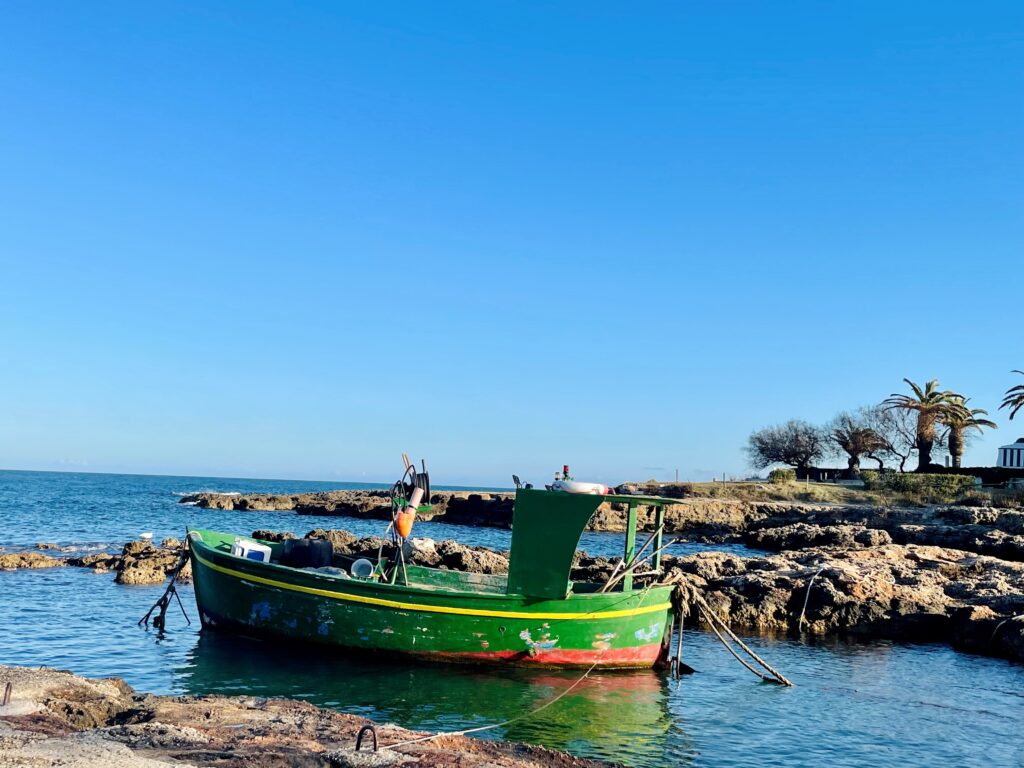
(250, 550)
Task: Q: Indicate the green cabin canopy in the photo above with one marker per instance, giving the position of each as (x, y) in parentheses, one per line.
(546, 530)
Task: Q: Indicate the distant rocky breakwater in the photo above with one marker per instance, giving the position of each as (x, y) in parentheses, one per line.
(457, 507)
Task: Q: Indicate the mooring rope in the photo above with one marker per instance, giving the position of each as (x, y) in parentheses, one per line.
(807, 596)
(479, 728)
(718, 626)
(1000, 625)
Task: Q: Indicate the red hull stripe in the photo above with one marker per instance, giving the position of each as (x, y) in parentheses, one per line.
(641, 655)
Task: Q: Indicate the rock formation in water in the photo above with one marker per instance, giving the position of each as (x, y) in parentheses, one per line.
(14, 560)
(140, 562)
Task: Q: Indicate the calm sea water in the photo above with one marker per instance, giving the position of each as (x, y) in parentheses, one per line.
(882, 704)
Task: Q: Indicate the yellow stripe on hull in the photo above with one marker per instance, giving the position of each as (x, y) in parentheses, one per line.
(428, 608)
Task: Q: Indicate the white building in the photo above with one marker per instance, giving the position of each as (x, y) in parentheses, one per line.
(1012, 456)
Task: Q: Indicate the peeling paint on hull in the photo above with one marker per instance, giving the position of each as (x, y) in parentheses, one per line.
(611, 630)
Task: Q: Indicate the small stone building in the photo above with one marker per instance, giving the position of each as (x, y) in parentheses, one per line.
(1012, 456)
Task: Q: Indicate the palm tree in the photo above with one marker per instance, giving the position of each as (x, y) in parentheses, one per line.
(959, 419)
(932, 406)
(1014, 398)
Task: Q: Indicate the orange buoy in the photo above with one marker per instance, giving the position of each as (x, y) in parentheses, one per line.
(404, 521)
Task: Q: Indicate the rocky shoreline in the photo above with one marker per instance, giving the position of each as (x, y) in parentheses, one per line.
(57, 718)
(937, 574)
(763, 525)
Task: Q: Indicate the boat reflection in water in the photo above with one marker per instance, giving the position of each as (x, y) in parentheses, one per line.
(620, 716)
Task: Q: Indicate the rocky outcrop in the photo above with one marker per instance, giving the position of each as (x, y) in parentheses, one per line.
(427, 552)
(906, 592)
(255, 501)
(459, 507)
(99, 563)
(142, 563)
(57, 718)
(14, 560)
(803, 536)
(265, 535)
(782, 526)
(701, 519)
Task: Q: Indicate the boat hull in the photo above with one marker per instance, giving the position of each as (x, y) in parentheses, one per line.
(267, 600)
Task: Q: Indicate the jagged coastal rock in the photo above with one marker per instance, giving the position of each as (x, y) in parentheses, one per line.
(57, 718)
(140, 562)
(14, 560)
(905, 592)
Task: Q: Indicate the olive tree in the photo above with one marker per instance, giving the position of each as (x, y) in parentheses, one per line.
(795, 443)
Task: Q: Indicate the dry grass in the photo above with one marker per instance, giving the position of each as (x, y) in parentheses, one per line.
(828, 493)
(764, 491)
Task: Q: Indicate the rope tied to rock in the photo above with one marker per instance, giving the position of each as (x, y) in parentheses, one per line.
(1000, 626)
(807, 596)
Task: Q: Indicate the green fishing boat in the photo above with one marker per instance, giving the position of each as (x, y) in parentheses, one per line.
(534, 615)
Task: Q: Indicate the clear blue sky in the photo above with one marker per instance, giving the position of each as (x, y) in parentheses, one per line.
(296, 239)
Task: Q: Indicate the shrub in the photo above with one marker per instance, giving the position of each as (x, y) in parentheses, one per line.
(782, 476)
(675, 490)
(975, 498)
(941, 488)
(988, 475)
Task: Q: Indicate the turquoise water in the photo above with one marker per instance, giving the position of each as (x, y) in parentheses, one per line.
(880, 703)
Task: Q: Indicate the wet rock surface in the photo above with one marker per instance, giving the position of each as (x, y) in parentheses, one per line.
(139, 562)
(143, 563)
(906, 592)
(15, 560)
(56, 718)
(448, 553)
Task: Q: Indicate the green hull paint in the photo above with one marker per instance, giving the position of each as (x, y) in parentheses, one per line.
(441, 614)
